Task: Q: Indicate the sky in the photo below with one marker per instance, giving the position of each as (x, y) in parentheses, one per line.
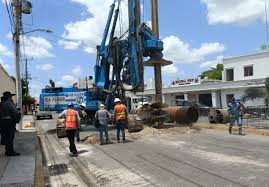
(197, 34)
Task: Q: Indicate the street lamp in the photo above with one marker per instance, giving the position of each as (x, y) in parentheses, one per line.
(35, 30)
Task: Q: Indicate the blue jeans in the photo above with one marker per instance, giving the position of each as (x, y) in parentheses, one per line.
(237, 119)
(120, 127)
(103, 128)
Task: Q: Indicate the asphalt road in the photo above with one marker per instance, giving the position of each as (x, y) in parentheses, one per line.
(207, 158)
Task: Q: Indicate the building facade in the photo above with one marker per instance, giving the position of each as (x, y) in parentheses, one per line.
(7, 83)
(239, 73)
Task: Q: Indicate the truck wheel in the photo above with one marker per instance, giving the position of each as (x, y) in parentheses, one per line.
(38, 117)
(50, 116)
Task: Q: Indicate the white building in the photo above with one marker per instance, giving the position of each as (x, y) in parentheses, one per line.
(239, 73)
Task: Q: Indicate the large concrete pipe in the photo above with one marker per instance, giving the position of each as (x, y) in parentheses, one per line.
(218, 116)
(183, 114)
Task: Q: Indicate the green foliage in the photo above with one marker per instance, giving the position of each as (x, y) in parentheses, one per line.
(253, 93)
(24, 87)
(28, 100)
(214, 73)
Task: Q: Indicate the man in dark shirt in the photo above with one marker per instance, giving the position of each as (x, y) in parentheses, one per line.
(9, 116)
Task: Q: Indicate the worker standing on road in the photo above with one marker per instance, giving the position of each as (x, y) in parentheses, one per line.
(71, 124)
(82, 114)
(9, 116)
(235, 115)
(120, 117)
(103, 116)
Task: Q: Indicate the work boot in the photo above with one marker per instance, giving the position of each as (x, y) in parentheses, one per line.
(73, 154)
(240, 131)
(230, 130)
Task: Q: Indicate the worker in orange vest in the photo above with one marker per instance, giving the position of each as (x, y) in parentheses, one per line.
(120, 117)
(71, 124)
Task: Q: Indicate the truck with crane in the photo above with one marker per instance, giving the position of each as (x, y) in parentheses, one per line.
(119, 65)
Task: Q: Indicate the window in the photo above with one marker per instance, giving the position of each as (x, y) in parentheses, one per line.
(248, 71)
(229, 74)
(229, 98)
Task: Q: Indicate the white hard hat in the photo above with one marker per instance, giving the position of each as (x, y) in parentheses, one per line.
(83, 104)
(117, 100)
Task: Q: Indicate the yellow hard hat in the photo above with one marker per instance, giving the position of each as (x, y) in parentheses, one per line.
(101, 105)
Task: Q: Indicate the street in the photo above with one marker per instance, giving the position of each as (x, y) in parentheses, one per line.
(205, 158)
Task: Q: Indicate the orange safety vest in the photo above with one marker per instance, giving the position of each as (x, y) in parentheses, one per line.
(71, 119)
(120, 112)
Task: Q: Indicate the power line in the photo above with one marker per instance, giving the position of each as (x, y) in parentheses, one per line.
(9, 16)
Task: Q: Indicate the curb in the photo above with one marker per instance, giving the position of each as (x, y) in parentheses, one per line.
(39, 172)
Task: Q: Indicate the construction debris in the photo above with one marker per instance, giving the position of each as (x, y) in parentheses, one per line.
(166, 131)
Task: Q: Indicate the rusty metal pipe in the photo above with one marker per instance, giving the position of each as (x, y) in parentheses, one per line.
(218, 116)
(183, 114)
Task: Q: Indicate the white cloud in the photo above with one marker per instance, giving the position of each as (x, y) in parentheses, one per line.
(68, 78)
(9, 36)
(6, 66)
(212, 63)
(4, 50)
(234, 11)
(179, 52)
(89, 31)
(170, 70)
(59, 83)
(71, 45)
(77, 70)
(37, 47)
(45, 67)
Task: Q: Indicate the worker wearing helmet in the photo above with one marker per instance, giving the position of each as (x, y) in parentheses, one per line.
(103, 116)
(120, 117)
(235, 115)
(71, 123)
(82, 114)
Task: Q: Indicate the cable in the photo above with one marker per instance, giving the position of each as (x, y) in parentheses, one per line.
(9, 16)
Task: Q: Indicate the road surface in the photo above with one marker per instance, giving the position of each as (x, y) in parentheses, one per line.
(207, 158)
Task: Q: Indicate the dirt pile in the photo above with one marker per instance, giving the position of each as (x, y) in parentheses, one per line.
(150, 131)
(95, 139)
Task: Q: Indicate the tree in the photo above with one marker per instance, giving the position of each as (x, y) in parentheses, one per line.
(253, 93)
(28, 100)
(214, 73)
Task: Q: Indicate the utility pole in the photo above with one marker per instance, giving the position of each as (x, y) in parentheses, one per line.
(16, 39)
(157, 62)
(26, 77)
(157, 66)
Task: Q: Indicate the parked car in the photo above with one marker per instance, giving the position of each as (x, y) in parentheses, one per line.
(43, 114)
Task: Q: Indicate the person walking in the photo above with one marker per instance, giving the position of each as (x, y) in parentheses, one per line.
(235, 116)
(120, 117)
(82, 114)
(71, 124)
(103, 116)
(9, 116)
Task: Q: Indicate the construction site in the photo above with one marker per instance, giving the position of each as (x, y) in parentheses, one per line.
(129, 103)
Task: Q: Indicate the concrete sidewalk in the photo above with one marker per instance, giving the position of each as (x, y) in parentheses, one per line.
(23, 170)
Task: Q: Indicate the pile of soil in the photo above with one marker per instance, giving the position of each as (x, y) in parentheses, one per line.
(150, 131)
(95, 139)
